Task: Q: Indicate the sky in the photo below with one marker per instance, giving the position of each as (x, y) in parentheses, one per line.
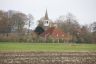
(84, 10)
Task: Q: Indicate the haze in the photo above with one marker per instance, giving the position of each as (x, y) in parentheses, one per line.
(84, 10)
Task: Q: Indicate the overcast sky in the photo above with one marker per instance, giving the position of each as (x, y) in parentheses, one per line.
(84, 10)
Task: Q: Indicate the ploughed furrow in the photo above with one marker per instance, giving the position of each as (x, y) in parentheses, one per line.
(47, 57)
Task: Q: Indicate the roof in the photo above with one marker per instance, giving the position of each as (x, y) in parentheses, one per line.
(46, 16)
(53, 32)
(39, 30)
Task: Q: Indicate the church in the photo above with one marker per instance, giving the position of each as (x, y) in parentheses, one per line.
(49, 30)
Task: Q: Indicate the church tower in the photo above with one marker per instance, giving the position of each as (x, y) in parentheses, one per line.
(46, 21)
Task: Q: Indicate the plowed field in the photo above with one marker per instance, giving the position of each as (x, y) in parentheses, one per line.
(47, 57)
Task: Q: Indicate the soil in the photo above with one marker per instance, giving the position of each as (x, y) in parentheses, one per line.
(47, 57)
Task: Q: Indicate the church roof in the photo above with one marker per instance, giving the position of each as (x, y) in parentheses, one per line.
(53, 32)
(46, 16)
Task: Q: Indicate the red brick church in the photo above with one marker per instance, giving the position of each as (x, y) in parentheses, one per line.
(50, 30)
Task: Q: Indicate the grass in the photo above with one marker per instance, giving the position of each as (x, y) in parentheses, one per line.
(49, 47)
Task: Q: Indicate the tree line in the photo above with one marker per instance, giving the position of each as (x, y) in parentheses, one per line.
(81, 33)
(15, 26)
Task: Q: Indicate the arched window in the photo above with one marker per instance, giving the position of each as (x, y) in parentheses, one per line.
(47, 22)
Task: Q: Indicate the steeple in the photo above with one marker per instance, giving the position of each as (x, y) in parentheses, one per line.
(46, 15)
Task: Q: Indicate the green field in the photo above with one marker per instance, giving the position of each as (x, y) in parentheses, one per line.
(49, 47)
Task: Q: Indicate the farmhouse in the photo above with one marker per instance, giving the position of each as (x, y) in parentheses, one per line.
(49, 30)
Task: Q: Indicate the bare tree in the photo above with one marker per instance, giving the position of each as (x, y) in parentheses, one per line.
(69, 25)
(4, 24)
(29, 22)
(18, 22)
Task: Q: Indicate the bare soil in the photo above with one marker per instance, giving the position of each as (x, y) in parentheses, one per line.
(47, 57)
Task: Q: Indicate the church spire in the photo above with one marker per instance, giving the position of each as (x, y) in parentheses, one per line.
(46, 15)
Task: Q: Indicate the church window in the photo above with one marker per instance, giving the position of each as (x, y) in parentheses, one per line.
(47, 22)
